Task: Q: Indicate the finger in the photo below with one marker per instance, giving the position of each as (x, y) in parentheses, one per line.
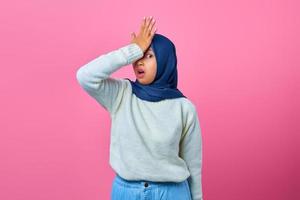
(152, 25)
(144, 21)
(149, 22)
(133, 35)
(143, 25)
(146, 26)
(153, 33)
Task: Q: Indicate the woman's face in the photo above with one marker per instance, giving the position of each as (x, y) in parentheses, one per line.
(147, 65)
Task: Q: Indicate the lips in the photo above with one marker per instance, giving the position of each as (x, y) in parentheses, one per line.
(140, 70)
(140, 73)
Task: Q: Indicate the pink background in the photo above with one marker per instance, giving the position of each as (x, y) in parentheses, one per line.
(238, 61)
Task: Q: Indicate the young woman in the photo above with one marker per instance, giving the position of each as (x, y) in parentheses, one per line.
(156, 141)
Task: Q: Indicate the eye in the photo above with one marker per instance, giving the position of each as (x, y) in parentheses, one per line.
(148, 55)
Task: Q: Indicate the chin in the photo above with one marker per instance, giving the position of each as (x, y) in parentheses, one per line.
(141, 81)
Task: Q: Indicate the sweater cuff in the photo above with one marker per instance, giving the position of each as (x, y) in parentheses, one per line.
(132, 52)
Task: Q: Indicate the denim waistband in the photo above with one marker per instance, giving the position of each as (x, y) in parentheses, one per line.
(142, 183)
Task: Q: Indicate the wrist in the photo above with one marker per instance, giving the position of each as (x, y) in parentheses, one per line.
(140, 46)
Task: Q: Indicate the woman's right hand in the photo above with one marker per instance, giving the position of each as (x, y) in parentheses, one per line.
(145, 36)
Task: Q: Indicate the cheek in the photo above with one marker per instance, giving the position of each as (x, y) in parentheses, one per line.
(154, 68)
(151, 68)
(152, 65)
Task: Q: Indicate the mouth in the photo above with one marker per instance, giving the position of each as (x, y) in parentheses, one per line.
(140, 73)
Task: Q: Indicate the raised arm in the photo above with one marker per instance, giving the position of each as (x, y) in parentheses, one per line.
(94, 77)
(191, 152)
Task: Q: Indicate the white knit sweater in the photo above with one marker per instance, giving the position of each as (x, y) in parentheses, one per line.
(155, 141)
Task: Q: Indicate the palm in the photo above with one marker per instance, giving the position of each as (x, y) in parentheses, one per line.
(146, 33)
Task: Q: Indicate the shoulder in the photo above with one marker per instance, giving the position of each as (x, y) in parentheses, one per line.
(126, 84)
(122, 82)
(190, 114)
(188, 106)
(116, 85)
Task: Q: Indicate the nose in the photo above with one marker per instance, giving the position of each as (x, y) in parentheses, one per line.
(139, 62)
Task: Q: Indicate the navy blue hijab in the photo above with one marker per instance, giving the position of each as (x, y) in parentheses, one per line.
(164, 86)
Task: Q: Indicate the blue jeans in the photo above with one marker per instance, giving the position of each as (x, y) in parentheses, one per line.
(123, 189)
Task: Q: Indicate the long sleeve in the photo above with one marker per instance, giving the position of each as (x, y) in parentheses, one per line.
(94, 77)
(191, 152)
